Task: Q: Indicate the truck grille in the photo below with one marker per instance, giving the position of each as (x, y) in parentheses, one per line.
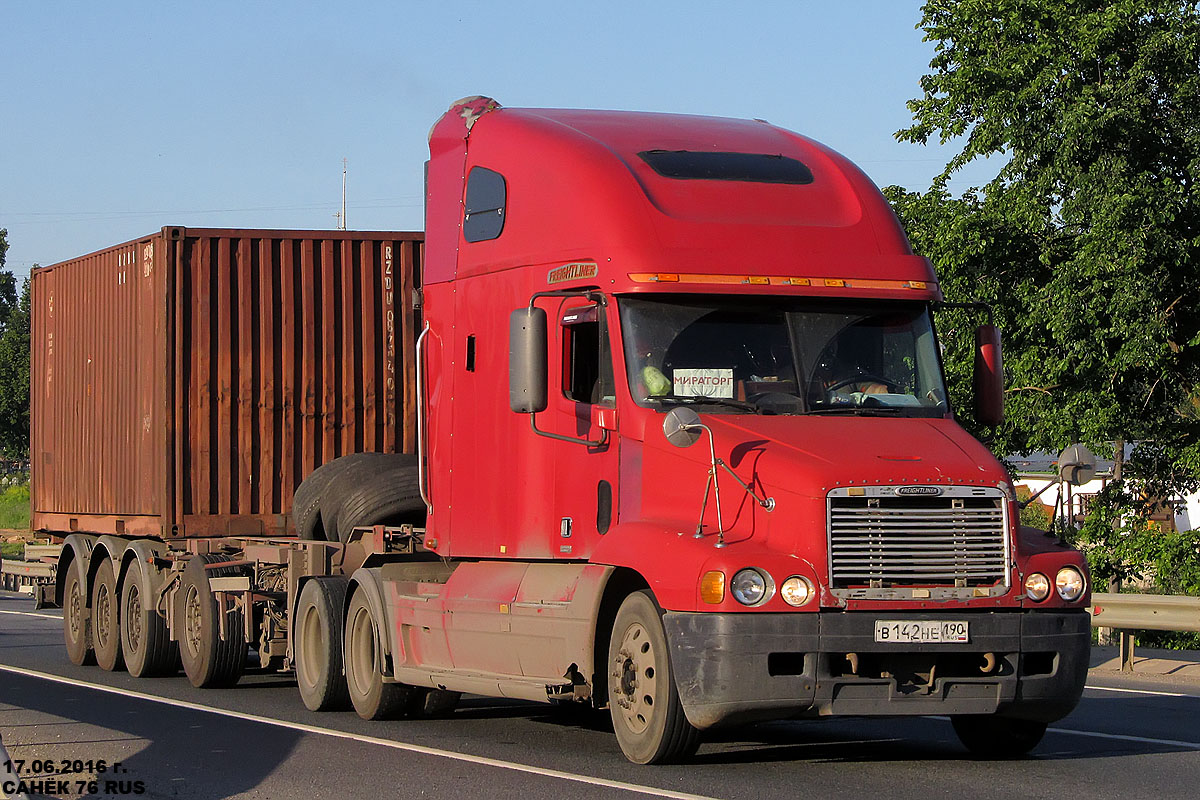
(880, 539)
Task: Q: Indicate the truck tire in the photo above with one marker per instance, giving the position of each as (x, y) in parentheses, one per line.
(993, 737)
(317, 639)
(319, 497)
(145, 638)
(371, 697)
(391, 496)
(643, 700)
(77, 619)
(106, 627)
(209, 661)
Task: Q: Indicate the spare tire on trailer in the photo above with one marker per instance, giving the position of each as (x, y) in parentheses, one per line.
(358, 490)
(389, 497)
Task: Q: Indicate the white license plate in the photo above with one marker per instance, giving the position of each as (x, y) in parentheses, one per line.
(900, 631)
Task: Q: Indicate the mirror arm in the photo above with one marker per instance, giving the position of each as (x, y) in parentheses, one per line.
(603, 440)
(1025, 503)
(595, 295)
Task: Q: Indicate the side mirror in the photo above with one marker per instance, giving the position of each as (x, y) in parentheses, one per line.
(1076, 465)
(989, 376)
(681, 426)
(527, 387)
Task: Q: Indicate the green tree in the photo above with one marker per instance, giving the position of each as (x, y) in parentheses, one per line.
(8, 282)
(14, 379)
(1086, 242)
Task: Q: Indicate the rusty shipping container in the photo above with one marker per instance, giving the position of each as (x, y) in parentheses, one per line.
(183, 384)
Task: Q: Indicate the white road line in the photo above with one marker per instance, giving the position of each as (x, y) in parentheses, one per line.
(1140, 691)
(1126, 738)
(32, 614)
(412, 748)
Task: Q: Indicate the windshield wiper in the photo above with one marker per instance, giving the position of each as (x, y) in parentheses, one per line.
(858, 411)
(717, 401)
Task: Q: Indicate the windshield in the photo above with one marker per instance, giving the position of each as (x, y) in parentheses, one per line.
(773, 355)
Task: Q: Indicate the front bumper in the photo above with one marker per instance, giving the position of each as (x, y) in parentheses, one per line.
(733, 668)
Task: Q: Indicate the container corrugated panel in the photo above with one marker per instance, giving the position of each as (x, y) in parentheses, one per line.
(185, 383)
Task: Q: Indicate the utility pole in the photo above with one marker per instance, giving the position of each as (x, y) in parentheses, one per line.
(342, 216)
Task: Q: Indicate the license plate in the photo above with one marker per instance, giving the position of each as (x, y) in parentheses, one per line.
(900, 631)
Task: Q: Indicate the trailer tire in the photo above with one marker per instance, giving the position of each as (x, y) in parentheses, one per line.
(392, 496)
(993, 737)
(145, 638)
(643, 700)
(317, 639)
(77, 620)
(209, 661)
(371, 696)
(106, 625)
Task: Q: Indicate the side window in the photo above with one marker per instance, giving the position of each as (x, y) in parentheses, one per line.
(486, 196)
(587, 363)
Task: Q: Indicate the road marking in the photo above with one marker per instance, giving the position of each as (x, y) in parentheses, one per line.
(1141, 691)
(405, 746)
(32, 614)
(1127, 738)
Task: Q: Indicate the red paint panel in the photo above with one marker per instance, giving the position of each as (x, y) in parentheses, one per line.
(185, 383)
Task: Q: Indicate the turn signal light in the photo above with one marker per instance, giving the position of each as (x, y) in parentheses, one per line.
(712, 587)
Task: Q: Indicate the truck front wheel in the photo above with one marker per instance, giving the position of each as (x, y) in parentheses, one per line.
(642, 698)
(998, 737)
(371, 696)
(77, 620)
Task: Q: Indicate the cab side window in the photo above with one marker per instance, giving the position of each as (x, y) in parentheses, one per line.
(587, 361)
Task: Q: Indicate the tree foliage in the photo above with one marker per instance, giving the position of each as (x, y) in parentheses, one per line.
(1086, 242)
(14, 361)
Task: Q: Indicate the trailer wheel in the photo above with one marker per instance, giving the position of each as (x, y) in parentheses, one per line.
(77, 620)
(989, 736)
(208, 660)
(106, 628)
(372, 698)
(145, 638)
(317, 641)
(391, 496)
(643, 700)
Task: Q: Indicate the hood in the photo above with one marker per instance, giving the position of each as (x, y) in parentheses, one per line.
(809, 455)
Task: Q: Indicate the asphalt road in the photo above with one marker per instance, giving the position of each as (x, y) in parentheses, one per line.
(1128, 739)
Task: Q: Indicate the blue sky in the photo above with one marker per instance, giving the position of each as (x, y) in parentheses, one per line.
(120, 117)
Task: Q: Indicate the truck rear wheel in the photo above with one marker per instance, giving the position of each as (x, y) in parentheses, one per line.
(208, 660)
(318, 644)
(77, 620)
(372, 698)
(642, 698)
(989, 736)
(106, 629)
(145, 639)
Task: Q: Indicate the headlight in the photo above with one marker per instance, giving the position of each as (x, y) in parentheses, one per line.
(749, 587)
(1069, 584)
(1037, 586)
(796, 591)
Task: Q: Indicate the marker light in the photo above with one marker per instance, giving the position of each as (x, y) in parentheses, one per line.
(712, 587)
(1069, 584)
(748, 587)
(796, 591)
(1037, 586)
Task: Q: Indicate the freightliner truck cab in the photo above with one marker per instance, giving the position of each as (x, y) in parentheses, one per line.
(688, 452)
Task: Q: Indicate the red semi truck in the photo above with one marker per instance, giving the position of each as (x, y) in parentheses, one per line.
(679, 446)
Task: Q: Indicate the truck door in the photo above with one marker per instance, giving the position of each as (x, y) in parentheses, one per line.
(583, 406)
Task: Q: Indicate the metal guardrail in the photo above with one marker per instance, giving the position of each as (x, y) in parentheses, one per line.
(1143, 612)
